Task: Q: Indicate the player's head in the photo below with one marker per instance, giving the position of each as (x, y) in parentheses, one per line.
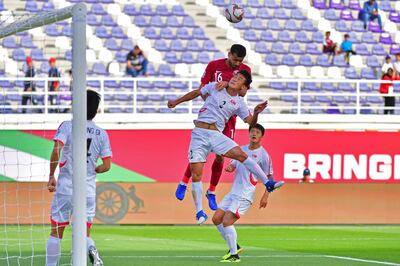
(256, 133)
(236, 55)
(346, 37)
(240, 82)
(93, 100)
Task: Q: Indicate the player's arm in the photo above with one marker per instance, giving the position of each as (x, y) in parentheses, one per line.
(231, 167)
(105, 166)
(264, 199)
(54, 158)
(252, 119)
(185, 98)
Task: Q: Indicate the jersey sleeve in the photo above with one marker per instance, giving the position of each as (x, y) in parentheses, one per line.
(105, 147)
(62, 132)
(208, 74)
(266, 164)
(243, 110)
(235, 163)
(208, 89)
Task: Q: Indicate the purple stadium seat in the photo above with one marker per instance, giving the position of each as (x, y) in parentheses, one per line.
(312, 48)
(273, 24)
(263, 13)
(289, 98)
(308, 25)
(126, 44)
(155, 97)
(364, 87)
(101, 32)
(374, 99)
(111, 84)
(337, 4)
(386, 6)
(37, 55)
(177, 46)
(372, 61)
(346, 15)
(218, 55)
(189, 22)
(374, 27)
(311, 86)
(182, 33)
(193, 45)
(117, 32)
(198, 33)
(150, 33)
(148, 110)
(271, 4)
(173, 22)
(340, 99)
(151, 70)
(278, 48)
(99, 69)
(92, 20)
(107, 20)
(297, 14)
(68, 55)
(203, 58)
(144, 84)
(281, 14)
(339, 61)
(179, 85)
(277, 85)
(291, 25)
(107, 1)
(333, 109)
(146, 10)
(162, 85)
(261, 48)
(351, 73)
(395, 17)
(385, 38)
(395, 49)
(362, 49)
(243, 25)
(257, 24)
(162, 10)
(141, 21)
(157, 21)
(98, 9)
(322, 60)
(320, 4)
(2, 6)
(294, 48)
(171, 58)
(318, 37)
(209, 46)
(289, 60)
(328, 86)
(18, 55)
(67, 31)
(368, 73)
(322, 99)
(250, 35)
(178, 10)
(127, 84)
(166, 33)
(378, 49)
(26, 42)
(52, 30)
(354, 38)
(161, 45)
(93, 83)
(165, 110)
(288, 4)
(111, 44)
(368, 37)
(307, 99)
(305, 60)
(254, 3)
(120, 56)
(301, 37)
(267, 36)
(130, 10)
(342, 26)
(31, 6)
(47, 6)
(249, 14)
(354, 4)
(284, 36)
(271, 59)
(330, 14)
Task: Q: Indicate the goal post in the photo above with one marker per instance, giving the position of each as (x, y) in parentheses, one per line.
(78, 14)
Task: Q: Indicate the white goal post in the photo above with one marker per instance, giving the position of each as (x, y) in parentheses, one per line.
(78, 14)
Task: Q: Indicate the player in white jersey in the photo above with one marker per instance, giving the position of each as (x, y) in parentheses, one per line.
(98, 146)
(206, 137)
(241, 196)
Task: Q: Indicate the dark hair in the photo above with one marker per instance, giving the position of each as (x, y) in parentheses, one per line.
(259, 127)
(347, 36)
(247, 75)
(239, 50)
(93, 100)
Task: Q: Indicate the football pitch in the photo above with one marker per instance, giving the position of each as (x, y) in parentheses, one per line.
(202, 245)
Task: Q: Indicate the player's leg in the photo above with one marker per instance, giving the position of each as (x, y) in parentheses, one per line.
(182, 186)
(197, 191)
(216, 172)
(219, 214)
(91, 247)
(236, 153)
(231, 237)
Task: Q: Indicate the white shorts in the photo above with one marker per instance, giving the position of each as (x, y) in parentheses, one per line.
(235, 204)
(204, 141)
(61, 209)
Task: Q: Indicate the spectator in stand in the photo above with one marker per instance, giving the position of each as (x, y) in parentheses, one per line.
(347, 47)
(54, 86)
(387, 88)
(388, 64)
(396, 66)
(370, 12)
(306, 177)
(136, 62)
(29, 86)
(329, 47)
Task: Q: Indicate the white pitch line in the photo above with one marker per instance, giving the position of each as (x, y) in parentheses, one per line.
(207, 256)
(362, 260)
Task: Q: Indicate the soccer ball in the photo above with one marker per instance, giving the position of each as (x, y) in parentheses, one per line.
(234, 13)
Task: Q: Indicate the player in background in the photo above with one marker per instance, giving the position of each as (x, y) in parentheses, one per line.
(240, 198)
(221, 71)
(206, 137)
(98, 145)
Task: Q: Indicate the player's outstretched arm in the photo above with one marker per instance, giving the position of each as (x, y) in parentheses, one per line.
(230, 168)
(185, 98)
(102, 168)
(54, 158)
(264, 200)
(252, 119)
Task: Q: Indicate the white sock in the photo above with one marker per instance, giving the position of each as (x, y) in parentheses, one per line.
(221, 230)
(197, 192)
(53, 251)
(183, 183)
(255, 169)
(89, 243)
(231, 238)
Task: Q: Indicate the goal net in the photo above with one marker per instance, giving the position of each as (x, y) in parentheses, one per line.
(43, 56)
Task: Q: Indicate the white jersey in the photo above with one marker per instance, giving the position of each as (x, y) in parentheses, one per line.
(245, 183)
(98, 146)
(220, 106)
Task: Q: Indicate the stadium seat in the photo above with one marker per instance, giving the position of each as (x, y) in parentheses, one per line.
(328, 86)
(261, 47)
(271, 4)
(120, 56)
(372, 61)
(330, 14)
(378, 49)
(243, 25)
(291, 25)
(369, 38)
(193, 45)
(318, 37)
(311, 86)
(312, 48)
(177, 10)
(52, 30)
(157, 21)
(272, 60)
(31, 6)
(278, 48)
(288, 4)
(209, 46)
(150, 33)
(254, 3)
(91, 20)
(339, 61)
(166, 33)
(144, 84)
(281, 14)
(395, 17)
(368, 73)
(354, 4)
(173, 22)
(126, 44)
(385, 38)
(301, 37)
(336, 4)
(171, 58)
(117, 32)
(26, 42)
(354, 37)
(284, 36)
(102, 32)
(298, 72)
(249, 14)
(130, 10)
(320, 4)
(18, 55)
(374, 27)
(346, 15)
(358, 26)
(394, 49)
(218, 55)
(111, 44)
(267, 36)
(333, 109)
(250, 35)
(177, 46)
(362, 49)
(189, 22)
(67, 31)
(146, 10)
(322, 60)
(162, 10)
(37, 55)
(294, 48)
(141, 21)
(283, 71)
(351, 73)
(97, 9)
(289, 60)
(297, 14)
(99, 69)
(273, 24)
(308, 25)
(203, 57)
(263, 13)
(198, 33)
(322, 99)
(305, 60)
(386, 6)
(257, 24)
(107, 20)
(342, 26)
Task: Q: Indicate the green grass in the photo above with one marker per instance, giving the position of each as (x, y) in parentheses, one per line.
(202, 245)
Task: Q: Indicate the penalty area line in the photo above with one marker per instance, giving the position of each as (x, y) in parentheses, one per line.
(362, 260)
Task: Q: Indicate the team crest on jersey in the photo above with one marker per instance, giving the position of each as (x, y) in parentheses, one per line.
(233, 102)
(254, 155)
(235, 71)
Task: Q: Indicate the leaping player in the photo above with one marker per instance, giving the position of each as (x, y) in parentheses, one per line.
(240, 198)
(98, 145)
(206, 137)
(221, 71)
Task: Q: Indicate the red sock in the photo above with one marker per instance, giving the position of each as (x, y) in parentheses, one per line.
(216, 172)
(188, 174)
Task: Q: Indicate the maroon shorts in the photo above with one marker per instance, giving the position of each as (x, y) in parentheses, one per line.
(230, 128)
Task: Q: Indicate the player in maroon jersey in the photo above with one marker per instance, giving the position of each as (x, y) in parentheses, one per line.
(221, 71)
